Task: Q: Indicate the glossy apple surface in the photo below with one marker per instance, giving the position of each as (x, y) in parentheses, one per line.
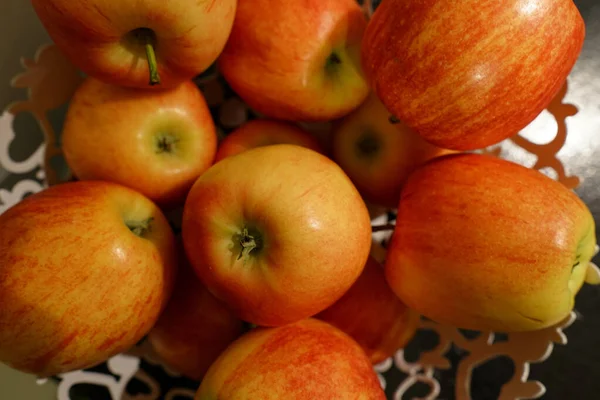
(483, 243)
(279, 233)
(107, 39)
(156, 142)
(373, 315)
(195, 328)
(465, 74)
(379, 155)
(85, 270)
(297, 60)
(265, 132)
(305, 360)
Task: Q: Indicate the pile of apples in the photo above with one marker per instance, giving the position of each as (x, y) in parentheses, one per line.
(273, 288)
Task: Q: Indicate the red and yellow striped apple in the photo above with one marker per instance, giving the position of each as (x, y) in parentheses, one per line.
(377, 155)
(297, 60)
(139, 43)
(483, 243)
(309, 359)
(85, 270)
(265, 132)
(195, 328)
(279, 233)
(467, 74)
(373, 315)
(156, 142)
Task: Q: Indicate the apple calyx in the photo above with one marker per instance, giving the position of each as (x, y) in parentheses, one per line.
(393, 120)
(332, 63)
(140, 228)
(166, 143)
(368, 144)
(147, 38)
(248, 243)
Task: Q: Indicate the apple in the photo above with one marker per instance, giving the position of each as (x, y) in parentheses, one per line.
(278, 233)
(264, 132)
(297, 60)
(309, 359)
(195, 328)
(86, 268)
(486, 244)
(142, 43)
(373, 315)
(156, 142)
(377, 155)
(466, 75)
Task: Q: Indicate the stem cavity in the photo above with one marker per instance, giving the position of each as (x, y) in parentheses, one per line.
(140, 228)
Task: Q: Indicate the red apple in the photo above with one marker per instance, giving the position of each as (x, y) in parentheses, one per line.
(373, 315)
(85, 270)
(465, 74)
(279, 233)
(156, 142)
(139, 43)
(297, 60)
(305, 360)
(486, 244)
(377, 155)
(264, 132)
(194, 329)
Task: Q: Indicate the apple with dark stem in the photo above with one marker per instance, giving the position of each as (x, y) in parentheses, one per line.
(142, 43)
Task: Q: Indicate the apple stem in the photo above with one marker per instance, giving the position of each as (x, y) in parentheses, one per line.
(248, 243)
(152, 63)
(383, 228)
(139, 228)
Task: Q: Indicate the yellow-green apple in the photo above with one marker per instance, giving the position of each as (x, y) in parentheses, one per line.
(377, 155)
(279, 233)
(85, 270)
(466, 74)
(297, 60)
(195, 328)
(483, 243)
(264, 132)
(139, 43)
(373, 315)
(309, 359)
(156, 142)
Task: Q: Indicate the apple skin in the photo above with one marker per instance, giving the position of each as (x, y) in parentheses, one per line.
(378, 155)
(124, 130)
(195, 328)
(486, 244)
(278, 58)
(265, 132)
(311, 227)
(96, 36)
(467, 75)
(373, 315)
(309, 359)
(77, 286)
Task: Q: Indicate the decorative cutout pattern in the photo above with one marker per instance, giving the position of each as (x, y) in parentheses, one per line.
(51, 81)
